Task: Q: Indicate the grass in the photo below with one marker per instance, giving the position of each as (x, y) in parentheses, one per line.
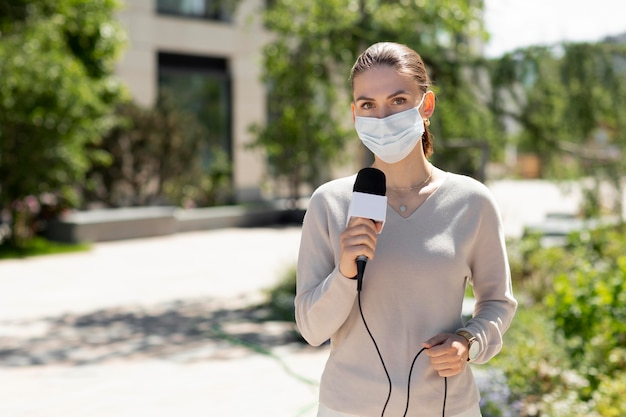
(39, 246)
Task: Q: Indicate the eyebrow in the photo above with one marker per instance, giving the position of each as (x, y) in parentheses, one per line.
(397, 93)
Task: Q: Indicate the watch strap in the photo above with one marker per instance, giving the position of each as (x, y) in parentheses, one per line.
(471, 343)
(467, 335)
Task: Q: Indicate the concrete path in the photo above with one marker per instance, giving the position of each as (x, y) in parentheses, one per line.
(154, 327)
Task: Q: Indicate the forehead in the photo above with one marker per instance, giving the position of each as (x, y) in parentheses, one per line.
(381, 81)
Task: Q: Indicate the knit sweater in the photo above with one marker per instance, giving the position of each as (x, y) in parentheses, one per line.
(412, 290)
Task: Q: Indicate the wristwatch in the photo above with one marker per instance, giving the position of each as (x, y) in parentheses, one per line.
(473, 347)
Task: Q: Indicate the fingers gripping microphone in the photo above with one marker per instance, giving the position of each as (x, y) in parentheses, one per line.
(368, 201)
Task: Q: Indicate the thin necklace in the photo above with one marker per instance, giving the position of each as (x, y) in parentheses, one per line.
(416, 187)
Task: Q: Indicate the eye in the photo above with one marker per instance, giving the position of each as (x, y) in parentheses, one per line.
(398, 100)
(367, 105)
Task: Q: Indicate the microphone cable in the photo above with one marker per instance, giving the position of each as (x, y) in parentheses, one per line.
(382, 361)
(408, 393)
(380, 356)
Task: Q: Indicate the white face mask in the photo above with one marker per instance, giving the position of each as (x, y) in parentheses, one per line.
(392, 138)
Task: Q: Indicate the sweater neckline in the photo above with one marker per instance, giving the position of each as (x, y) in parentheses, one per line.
(426, 202)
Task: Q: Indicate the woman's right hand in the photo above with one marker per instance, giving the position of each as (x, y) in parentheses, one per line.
(359, 238)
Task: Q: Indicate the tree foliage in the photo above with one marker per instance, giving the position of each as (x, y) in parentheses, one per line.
(56, 94)
(570, 104)
(308, 62)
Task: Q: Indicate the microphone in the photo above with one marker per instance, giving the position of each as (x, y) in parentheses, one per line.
(368, 201)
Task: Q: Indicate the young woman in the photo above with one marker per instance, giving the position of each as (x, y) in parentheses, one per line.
(400, 346)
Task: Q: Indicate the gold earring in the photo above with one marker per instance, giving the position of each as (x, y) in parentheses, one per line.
(426, 122)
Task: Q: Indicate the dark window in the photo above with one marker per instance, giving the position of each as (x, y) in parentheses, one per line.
(201, 85)
(204, 9)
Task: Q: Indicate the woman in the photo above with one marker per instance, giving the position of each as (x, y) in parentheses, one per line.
(400, 346)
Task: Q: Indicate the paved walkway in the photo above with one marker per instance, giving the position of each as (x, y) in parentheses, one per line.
(154, 327)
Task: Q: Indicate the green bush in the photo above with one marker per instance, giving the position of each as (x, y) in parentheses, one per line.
(609, 397)
(536, 368)
(565, 353)
(588, 304)
(280, 297)
(533, 266)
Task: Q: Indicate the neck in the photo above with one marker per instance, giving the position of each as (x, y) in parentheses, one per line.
(405, 174)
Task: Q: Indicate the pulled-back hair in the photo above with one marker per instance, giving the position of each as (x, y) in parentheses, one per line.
(405, 61)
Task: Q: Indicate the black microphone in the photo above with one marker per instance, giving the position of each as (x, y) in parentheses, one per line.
(368, 201)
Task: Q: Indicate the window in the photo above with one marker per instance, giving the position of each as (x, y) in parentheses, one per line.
(204, 9)
(201, 85)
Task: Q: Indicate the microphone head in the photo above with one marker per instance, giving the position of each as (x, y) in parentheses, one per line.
(370, 181)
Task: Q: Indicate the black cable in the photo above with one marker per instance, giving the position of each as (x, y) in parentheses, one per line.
(382, 361)
(445, 396)
(379, 355)
(408, 393)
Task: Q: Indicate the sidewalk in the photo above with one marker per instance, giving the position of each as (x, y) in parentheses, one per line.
(154, 327)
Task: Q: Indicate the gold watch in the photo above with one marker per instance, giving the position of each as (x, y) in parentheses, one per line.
(473, 347)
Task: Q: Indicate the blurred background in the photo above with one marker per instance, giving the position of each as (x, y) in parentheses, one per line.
(135, 133)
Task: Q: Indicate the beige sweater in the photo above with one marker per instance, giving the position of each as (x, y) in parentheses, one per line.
(412, 290)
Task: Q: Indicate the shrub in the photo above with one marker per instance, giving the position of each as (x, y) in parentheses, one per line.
(564, 354)
(282, 295)
(588, 304)
(609, 397)
(537, 370)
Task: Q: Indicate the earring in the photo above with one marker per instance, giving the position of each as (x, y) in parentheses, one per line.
(426, 122)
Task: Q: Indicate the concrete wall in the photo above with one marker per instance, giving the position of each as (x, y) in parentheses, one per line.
(140, 222)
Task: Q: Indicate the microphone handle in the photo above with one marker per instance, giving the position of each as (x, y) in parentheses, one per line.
(361, 261)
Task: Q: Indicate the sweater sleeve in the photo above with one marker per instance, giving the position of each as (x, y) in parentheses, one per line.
(491, 279)
(324, 297)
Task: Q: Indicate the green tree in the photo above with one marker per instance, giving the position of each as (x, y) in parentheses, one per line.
(57, 92)
(570, 102)
(308, 62)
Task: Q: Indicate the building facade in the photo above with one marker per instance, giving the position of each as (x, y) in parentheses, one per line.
(212, 57)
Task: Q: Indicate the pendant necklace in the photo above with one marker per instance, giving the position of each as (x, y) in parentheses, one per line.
(403, 206)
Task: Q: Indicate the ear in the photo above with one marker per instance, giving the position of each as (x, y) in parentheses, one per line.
(428, 108)
(353, 112)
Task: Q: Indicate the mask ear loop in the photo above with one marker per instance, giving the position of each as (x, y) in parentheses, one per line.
(421, 101)
(427, 120)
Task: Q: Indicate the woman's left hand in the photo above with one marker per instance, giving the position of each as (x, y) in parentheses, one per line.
(448, 353)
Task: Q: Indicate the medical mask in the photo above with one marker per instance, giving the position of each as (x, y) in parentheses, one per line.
(391, 138)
